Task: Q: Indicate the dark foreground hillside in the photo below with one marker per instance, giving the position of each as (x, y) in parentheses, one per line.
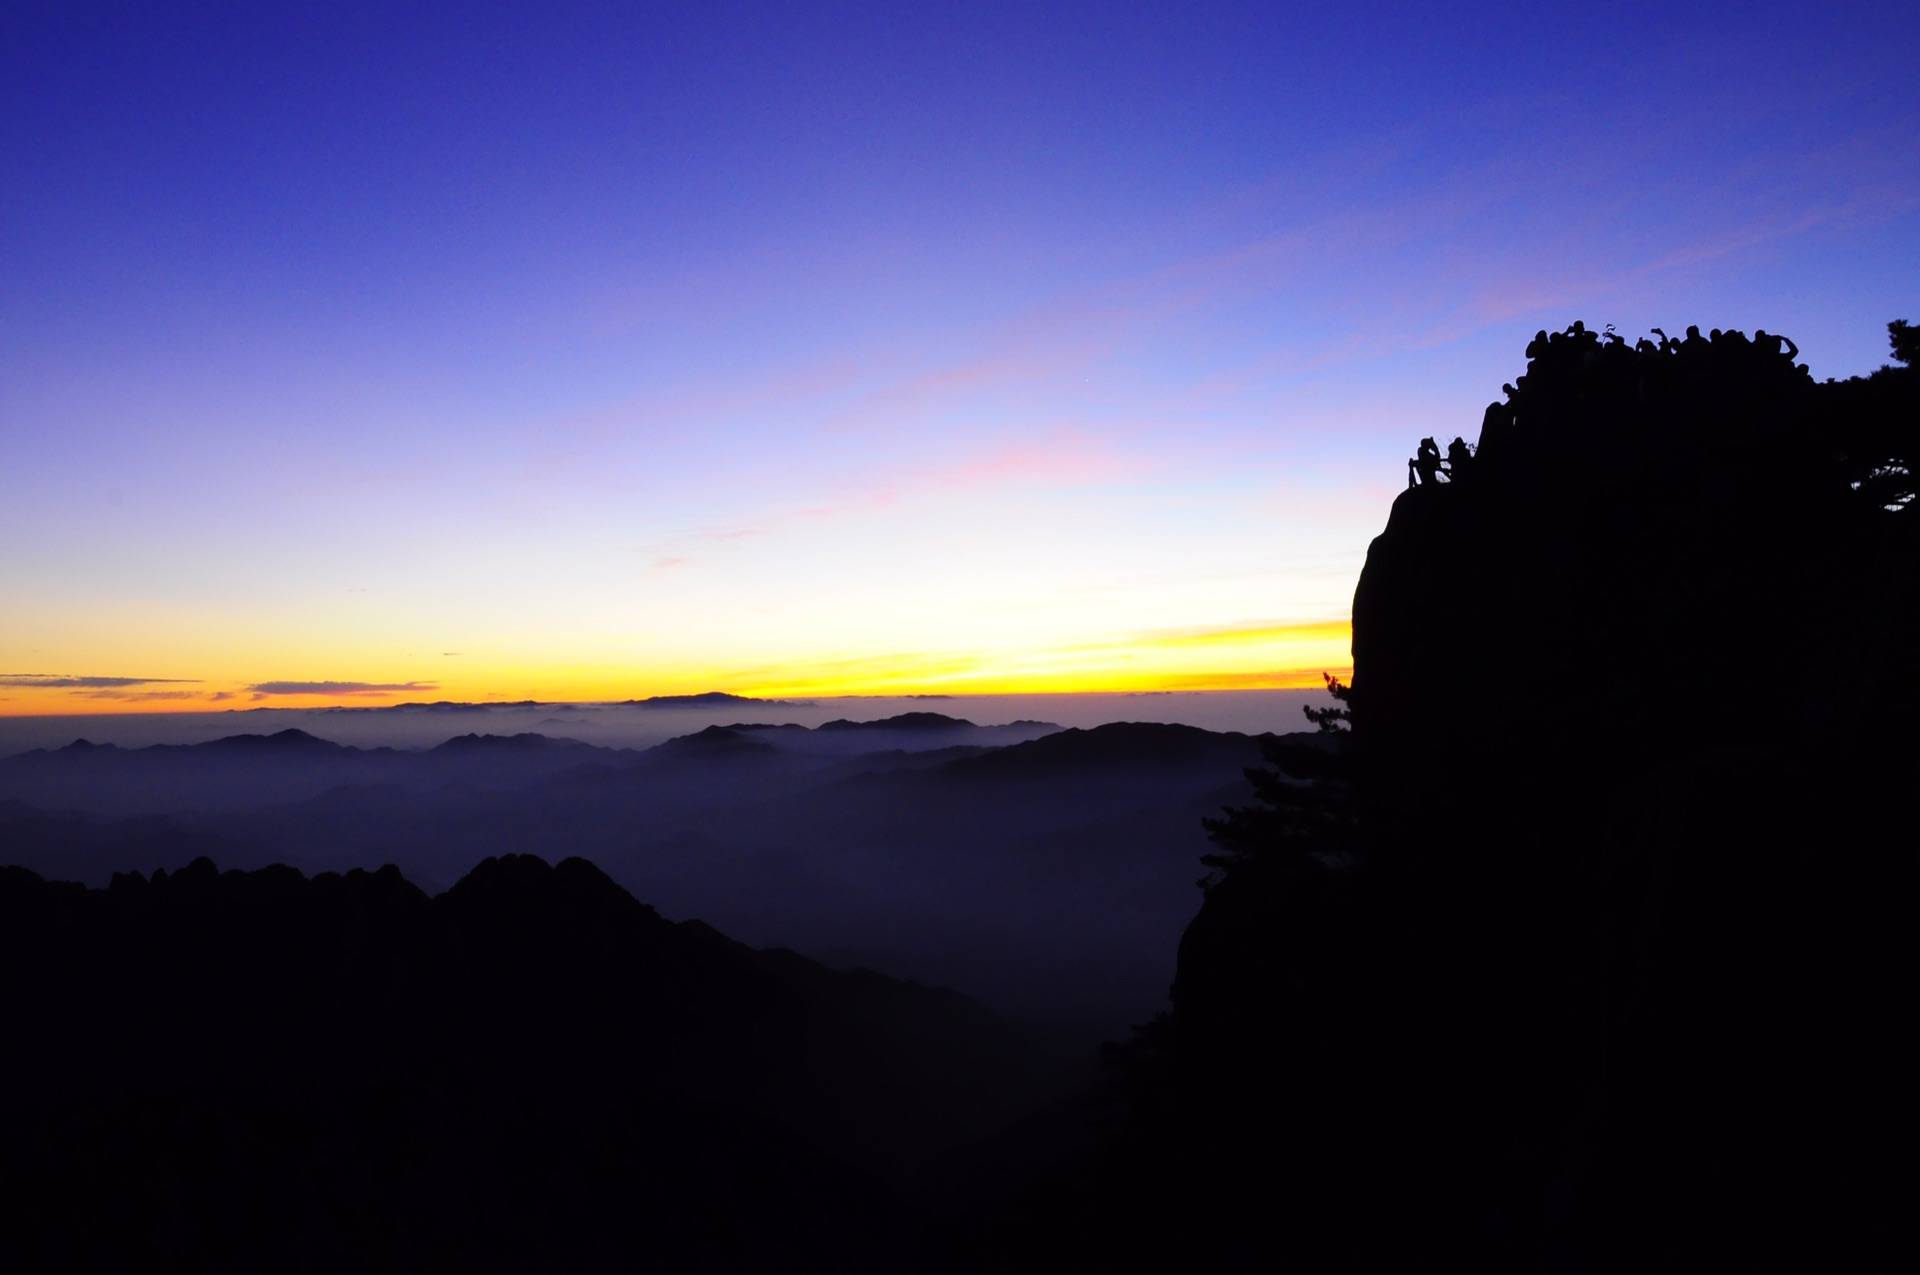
(531, 1072)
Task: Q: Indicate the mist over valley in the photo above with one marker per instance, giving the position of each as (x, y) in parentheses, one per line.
(1045, 869)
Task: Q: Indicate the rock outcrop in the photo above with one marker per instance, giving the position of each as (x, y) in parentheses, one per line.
(1609, 982)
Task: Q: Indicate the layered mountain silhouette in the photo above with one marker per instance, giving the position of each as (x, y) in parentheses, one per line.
(1052, 883)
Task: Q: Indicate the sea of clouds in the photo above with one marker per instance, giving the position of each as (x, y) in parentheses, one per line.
(644, 725)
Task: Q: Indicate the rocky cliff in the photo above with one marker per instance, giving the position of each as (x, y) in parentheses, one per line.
(1597, 971)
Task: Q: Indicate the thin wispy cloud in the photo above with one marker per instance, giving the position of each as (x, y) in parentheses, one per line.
(260, 689)
(69, 681)
(140, 697)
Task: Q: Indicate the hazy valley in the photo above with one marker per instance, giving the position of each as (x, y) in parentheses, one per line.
(1046, 871)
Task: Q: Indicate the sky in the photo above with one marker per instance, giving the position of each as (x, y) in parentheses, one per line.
(365, 354)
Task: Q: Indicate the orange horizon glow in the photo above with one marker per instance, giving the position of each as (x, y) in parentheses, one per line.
(1261, 657)
(46, 704)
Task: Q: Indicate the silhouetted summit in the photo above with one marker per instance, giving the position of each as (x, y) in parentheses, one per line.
(714, 742)
(1575, 953)
(281, 741)
(706, 699)
(525, 741)
(901, 721)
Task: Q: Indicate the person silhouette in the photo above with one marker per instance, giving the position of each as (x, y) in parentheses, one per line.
(1427, 463)
(1459, 457)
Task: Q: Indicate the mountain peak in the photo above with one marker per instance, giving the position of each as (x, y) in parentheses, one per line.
(292, 737)
(715, 741)
(706, 699)
(525, 741)
(902, 721)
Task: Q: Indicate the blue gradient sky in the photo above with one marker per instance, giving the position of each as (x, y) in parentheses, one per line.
(620, 350)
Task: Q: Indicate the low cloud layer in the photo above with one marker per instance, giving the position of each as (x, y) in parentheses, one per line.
(68, 681)
(338, 688)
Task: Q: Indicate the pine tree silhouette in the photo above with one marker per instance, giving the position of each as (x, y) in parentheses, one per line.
(1307, 811)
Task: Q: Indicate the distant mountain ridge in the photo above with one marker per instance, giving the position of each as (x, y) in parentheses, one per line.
(293, 764)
